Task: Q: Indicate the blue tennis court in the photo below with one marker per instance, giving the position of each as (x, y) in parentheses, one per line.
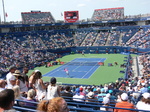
(77, 68)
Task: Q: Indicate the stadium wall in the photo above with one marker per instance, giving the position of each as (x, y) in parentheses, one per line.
(99, 50)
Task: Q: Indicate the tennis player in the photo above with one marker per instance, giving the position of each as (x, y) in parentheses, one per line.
(67, 72)
(83, 53)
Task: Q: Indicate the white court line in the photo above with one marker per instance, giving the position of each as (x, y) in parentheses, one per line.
(93, 67)
(58, 69)
(55, 70)
(79, 66)
(88, 71)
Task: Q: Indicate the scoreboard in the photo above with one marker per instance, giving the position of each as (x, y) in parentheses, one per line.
(71, 16)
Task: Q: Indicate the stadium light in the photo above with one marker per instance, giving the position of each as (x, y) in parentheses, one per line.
(4, 11)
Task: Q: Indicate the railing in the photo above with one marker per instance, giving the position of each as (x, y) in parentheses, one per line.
(74, 106)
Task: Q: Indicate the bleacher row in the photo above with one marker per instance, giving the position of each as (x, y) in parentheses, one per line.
(26, 43)
(75, 106)
(126, 37)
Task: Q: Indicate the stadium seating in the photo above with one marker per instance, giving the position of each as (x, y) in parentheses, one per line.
(37, 17)
(101, 39)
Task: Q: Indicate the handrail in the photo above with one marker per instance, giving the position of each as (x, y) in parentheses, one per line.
(79, 104)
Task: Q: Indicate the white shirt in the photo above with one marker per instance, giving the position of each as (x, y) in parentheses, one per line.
(142, 106)
(40, 91)
(10, 77)
(78, 97)
(52, 92)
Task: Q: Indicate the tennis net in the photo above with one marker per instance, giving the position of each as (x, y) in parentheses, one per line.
(83, 63)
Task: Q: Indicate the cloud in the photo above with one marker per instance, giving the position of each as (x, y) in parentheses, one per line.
(87, 0)
(145, 2)
(81, 5)
(52, 4)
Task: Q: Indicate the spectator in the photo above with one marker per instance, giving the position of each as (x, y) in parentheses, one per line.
(67, 93)
(31, 97)
(53, 90)
(24, 73)
(32, 79)
(91, 97)
(20, 81)
(2, 84)
(101, 95)
(144, 89)
(106, 102)
(82, 91)
(40, 87)
(135, 96)
(124, 104)
(10, 78)
(144, 104)
(6, 99)
(18, 95)
(77, 96)
(57, 104)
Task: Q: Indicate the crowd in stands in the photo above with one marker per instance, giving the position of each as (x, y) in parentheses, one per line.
(132, 93)
(13, 54)
(89, 39)
(140, 39)
(79, 37)
(108, 14)
(114, 38)
(101, 39)
(37, 17)
(144, 60)
(21, 49)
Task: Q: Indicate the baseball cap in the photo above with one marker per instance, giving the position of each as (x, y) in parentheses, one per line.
(106, 100)
(53, 80)
(124, 96)
(90, 95)
(146, 95)
(110, 91)
(81, 89)
(108, 95)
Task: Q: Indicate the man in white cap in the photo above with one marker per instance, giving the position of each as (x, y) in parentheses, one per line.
(124, 104)
(144, 103)
(106, 102)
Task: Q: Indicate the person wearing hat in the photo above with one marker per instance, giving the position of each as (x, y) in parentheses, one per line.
(53, 90)
(82, 91)
(101, 95)
(106, 102)
(91, 97)
(144, 103)
(20, 81)
(124, 104)
(77, 96)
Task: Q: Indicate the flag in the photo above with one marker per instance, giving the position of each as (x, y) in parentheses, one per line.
(6, 14)
(61, 14)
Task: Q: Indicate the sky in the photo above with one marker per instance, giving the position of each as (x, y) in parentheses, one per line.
(13, 8)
